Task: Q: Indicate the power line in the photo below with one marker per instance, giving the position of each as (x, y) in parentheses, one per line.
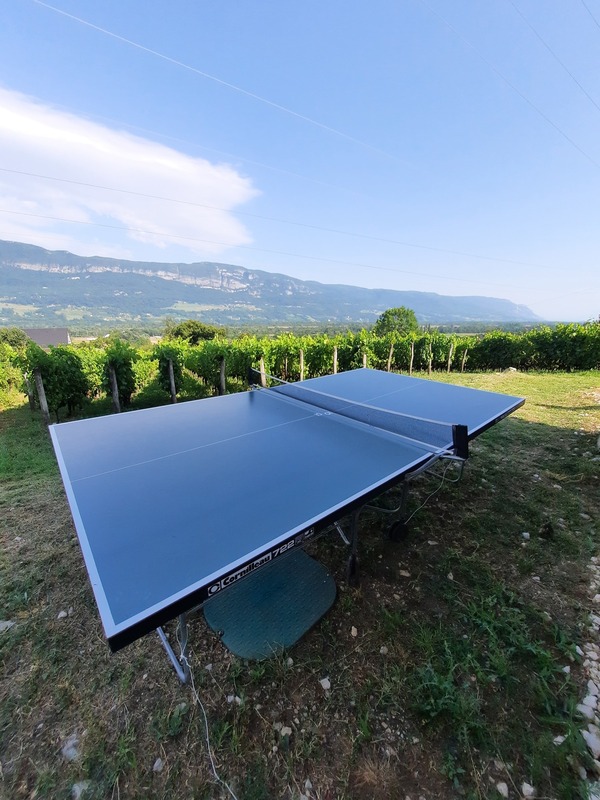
(508, 83)
(322, 125)
(587, 8)
(221, 82)
(257, 249)
(323, 229)
(554, 55)
(169, 137)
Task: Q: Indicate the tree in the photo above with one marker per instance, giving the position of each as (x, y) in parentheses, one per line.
(15, 337)
(396, 320)
(192, 331)
(133, 336)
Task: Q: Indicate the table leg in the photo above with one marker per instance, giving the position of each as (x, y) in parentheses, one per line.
(182, 667)
(352, 569)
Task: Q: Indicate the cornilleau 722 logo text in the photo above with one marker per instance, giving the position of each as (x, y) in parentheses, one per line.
(253, 565)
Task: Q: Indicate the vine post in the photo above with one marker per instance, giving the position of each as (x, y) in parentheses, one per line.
(412, 356)
(335, 360)
(364, 360)
(301, 365)
(390, 356)
(450, 352)
(263, 373)
(222, 384)
(464, 360)
(172, 381)
(114, 389)
(30, 392)
(39, 385)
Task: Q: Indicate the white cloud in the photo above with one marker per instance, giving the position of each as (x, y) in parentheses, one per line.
(38, 139)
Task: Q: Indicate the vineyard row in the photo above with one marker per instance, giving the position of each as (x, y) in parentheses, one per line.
(75, 372)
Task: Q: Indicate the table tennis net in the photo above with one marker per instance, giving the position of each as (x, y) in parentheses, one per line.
(429, 434)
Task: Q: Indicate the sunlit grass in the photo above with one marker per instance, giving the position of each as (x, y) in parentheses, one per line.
(447, 665)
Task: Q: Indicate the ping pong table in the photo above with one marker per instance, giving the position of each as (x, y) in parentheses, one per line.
(175, 504)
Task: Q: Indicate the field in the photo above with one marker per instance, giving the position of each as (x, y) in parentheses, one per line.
(452, 668)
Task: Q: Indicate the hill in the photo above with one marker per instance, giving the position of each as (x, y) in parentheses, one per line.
(41, 287)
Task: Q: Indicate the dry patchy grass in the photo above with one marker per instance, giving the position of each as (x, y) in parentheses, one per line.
(453, 682)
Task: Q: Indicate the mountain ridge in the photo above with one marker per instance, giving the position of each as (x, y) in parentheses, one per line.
(100, 289)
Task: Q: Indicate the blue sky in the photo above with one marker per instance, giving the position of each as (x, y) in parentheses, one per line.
(424, 145)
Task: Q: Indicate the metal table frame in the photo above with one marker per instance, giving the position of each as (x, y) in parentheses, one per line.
(181, 663)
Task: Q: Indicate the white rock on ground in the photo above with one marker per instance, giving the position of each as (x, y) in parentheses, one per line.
(592, 655)
(593, 742)
(5, 625)
(586, 711)
(233, 698)
(70, 750)
(79, 790)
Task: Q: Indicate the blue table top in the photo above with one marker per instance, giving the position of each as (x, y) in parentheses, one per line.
(169, 503)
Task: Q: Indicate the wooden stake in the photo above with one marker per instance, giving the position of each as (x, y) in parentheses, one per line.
(222, 383)
(412, 356)
(39, 385)
(364, 359)
(450, 352)
(335, 360)
(114, 388)
(464, 359)
(30, 393)
(389, 363)
(263, 373)
(172, 381)
(301, 365)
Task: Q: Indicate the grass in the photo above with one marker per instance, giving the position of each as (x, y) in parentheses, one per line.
(455, 679)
